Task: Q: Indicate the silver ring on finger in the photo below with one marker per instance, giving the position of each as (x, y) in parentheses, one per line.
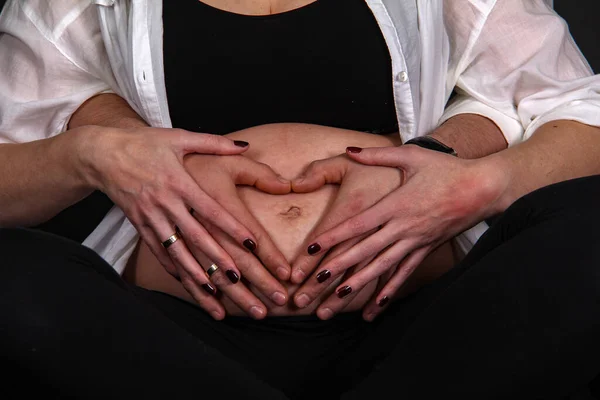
(212, 269)
(172, 239)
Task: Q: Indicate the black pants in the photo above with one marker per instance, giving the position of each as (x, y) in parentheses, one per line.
(518, 318)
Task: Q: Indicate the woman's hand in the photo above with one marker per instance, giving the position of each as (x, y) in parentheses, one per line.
(219, 176)
(142, 171)
(441, 196)
(361, 187)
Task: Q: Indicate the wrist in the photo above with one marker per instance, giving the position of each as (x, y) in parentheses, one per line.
(471, 136)
(497, 173)
(87, 147)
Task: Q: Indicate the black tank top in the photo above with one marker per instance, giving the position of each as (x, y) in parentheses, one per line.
(326, 63)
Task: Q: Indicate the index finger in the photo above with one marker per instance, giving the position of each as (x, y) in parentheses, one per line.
(270, 256)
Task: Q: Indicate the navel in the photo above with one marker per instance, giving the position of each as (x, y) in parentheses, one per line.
(292, 212)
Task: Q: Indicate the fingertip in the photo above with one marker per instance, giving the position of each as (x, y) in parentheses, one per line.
(258, 313)
(241, 143)
(279, 298)
(217, 315)
(353, 150)
(281, 179)
(325, 314)
(283, 273)
(369, 317)
(298, 276)
(301, 300)
(250, 245)
(300, 186)
(383, 302)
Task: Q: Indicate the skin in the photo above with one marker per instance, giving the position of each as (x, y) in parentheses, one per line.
(257, 7)
(288, 219)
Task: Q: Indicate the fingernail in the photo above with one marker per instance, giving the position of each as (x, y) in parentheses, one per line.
(278, 298)
(344, 291)
(283, 273)
(257, 312)
(323, 276)
(353, 149)
(233, 277)
(384, 300)
(314, 249)
(240, 143)
(209, 288)
(325, 314)
(250, 245)
(216, 315)
(298, 276)
(302, 300)
(370, 317)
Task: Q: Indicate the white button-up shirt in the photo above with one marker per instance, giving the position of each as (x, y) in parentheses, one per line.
(512, 61)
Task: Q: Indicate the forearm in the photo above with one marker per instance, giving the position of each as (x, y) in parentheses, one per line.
(40, 178)
(558, 151)
(471, 135)
(108, 110)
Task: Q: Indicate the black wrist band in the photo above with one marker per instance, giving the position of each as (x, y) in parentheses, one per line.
(427, 142)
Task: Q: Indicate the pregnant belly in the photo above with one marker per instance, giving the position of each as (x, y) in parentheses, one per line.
(288, 219)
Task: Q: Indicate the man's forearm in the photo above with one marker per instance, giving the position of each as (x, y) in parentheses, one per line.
(41, 178)
(471, 135)
(108, 110)
(557, 151)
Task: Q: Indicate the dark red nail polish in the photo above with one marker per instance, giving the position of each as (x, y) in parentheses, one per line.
(250, 245)
(233, 277)
(314, 249)
(353, 149)
(323, 276)
(343, 292)
(240, 143)
(384, 300)
(209, 289)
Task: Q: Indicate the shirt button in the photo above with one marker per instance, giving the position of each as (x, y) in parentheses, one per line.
(402, 76)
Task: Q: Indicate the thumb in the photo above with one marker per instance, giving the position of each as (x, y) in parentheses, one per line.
(204, 143)
(261, 176)
(404, 157)
(321, 172)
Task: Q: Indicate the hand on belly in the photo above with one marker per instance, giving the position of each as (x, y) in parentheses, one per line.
(288, 219)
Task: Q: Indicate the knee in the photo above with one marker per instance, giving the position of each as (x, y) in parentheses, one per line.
(28, 254)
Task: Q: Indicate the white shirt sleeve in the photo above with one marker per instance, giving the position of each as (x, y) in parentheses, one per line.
(515, 62)
(52, 60)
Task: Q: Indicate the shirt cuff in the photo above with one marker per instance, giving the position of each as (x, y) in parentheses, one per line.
(583, 111)
(511, 128)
